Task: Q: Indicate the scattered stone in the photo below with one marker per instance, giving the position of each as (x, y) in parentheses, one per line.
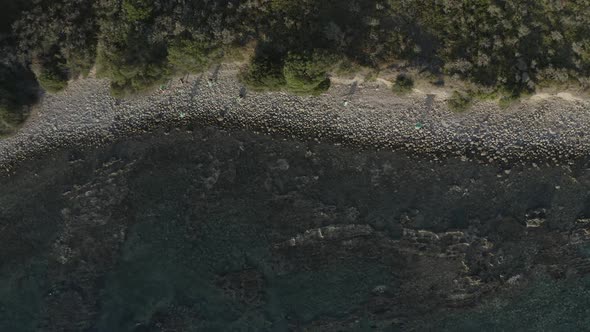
(535, 218)
(86, 115)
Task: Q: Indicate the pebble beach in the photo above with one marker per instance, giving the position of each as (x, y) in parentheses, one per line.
(540, 129)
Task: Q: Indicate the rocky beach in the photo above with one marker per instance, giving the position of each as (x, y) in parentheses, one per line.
(543, 128)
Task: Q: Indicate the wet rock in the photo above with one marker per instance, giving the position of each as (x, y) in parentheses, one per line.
(535, 218)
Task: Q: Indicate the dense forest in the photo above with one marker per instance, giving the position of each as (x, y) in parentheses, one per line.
(505, 46)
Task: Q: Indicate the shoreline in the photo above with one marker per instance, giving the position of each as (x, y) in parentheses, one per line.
(366, 115)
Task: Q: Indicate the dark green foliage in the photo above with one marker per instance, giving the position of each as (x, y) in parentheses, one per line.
(513, 45)
(403, 84)
(460, 101)
(10, 117)
(51, 74)
(11, 10)
(137, 10)
(52, 81)
(347, 68)
(508, 99)
(133, 76)
(307, 73)
(509, 45)
(132, 72)
(133, 79)
(301, 73)
(265, 72)
(128, 58)
(60, 35)
(188, 56)
(18, 88)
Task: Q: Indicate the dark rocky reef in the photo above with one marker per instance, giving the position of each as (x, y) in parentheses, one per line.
(213, 230)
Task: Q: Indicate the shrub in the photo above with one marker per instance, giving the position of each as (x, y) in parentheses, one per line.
(187, 56)
(372, 75)
(460, 101)
(81, 62)
(307, 73)
(18, 88)
(52, 82)
(264, 74)
(348, 68)
(301, 73)
(403, 84)
(51, 74)
(132, 78)
(10, 119)
(131, 63)
(137, 10)
(496, 44)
